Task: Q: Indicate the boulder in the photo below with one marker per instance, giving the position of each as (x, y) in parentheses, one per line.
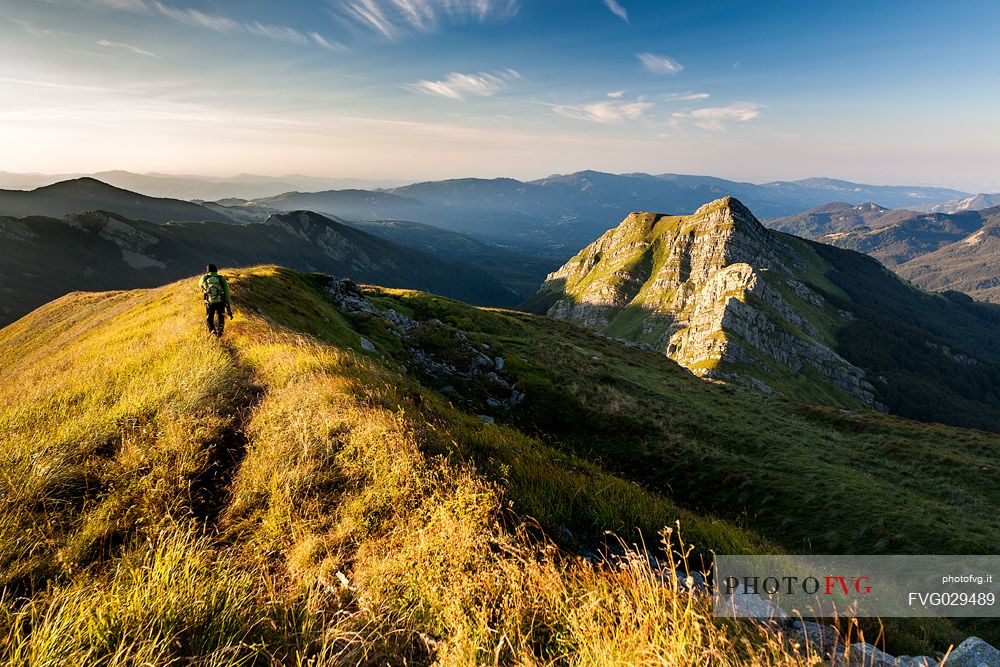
(915, 661)
(750, 605)
(367, 344)
(816, 639)
(866, 655)
(974, 652)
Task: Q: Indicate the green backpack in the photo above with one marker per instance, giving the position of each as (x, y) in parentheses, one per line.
(214, 292)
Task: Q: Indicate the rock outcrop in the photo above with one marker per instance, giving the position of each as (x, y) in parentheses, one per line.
(715, 291)
(467, 372)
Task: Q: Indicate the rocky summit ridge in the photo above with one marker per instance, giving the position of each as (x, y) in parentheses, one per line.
(715, 291)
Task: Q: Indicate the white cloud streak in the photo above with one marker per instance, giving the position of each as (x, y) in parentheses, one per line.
(124, 5)
(715, 119)
(616, 94)
(659, 64)
(689, 96)
(605, 112)
(128, 47)
(198, 19)
(392, 19)
(617, 9)
(219, 23)
(458, 86)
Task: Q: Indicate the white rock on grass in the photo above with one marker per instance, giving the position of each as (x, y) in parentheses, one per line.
(866, 655)
(974, 652)
(915, 661)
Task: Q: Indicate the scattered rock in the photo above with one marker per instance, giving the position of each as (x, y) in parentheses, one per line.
(866, 655)
(916, 661)
(974, 652)
(472, 363)
(751, 605)
(818, 639)
(487, 419)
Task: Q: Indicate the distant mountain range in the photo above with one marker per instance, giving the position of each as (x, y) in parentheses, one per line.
(197, 187)
(43, 257)
(729, 299)
(972, 203)
(938, 251)
(519, 231)
(557, 214)
(549, 217)
(86, 194)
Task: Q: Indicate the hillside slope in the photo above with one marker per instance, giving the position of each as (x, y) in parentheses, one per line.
(731, 300)
(971, 265)
(42, 258)
(88, 194)
(286, 496)
(938, 250)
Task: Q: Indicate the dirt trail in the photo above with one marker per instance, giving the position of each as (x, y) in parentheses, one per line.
(210, 491)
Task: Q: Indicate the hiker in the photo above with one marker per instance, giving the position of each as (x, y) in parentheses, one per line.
(215, 289)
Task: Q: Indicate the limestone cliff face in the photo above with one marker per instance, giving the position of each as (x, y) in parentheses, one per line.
(715, 291)
(133, 242)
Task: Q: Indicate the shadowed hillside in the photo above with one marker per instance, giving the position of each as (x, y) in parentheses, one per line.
(342, 480)
(938, 251)
(42, 258)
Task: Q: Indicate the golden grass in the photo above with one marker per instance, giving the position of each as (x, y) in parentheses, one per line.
(357, 527)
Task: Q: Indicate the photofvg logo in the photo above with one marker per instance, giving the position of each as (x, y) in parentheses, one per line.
(766, 587)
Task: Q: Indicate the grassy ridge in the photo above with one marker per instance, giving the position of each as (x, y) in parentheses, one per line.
(283, 499)
(810, 478)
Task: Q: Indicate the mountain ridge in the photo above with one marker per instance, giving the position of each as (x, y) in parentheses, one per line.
(86, 194)
(103, 250)
(564, 211)
(731, 300)
(935, 250)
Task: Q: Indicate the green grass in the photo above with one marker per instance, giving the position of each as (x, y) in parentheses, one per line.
(285, 498)
(808, 478)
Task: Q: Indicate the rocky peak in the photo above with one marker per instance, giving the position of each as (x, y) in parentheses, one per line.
(715, 291)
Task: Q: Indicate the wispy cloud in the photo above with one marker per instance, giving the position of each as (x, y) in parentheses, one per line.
(124, 5)
(659, 64)
(128, 47)
(716, 118)
(320, 40)
(606, 112)
(31, 29)
(689, 96)
(617, 9)
(218, 23)
(616, 94)
(458, 86)
(198, 19)
(394, 18)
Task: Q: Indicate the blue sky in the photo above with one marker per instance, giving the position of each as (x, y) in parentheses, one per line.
(899, 92)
